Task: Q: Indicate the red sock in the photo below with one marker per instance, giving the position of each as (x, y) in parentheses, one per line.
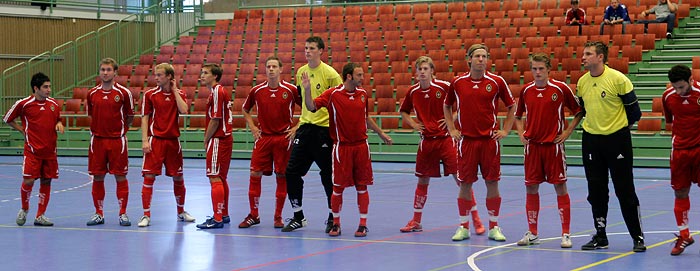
(26, 192)
(680, 209)
(254, 194)
(493, 206)
(532, 209)
(217, 200)
(564, 204)
(419, 201)
(337, 203)
(463, 207)
(280, 195)
(98, 196)
(363, 205)
(123, 195)
(224, 211)
(180, 191)
(44, 197)
(147, 194)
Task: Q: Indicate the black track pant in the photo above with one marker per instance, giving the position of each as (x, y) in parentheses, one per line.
(312, 143)
(613, 153)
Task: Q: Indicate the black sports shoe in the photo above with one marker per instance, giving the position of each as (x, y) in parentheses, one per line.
(211, 223)
(329, 225)
(294, 224)
(226, 219)
(639, 246)
(597, 242)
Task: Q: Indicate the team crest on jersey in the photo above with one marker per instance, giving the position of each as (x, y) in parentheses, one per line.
(698, 101)
(438, 94)
(284, 95)
(602, 94)
(555, 97)
(116, 98)
(52, 108)
(489, 88)
(362, 98)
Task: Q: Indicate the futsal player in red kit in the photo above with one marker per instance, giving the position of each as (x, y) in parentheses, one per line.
(426, 99)
(275, 100)
(160, 140)
(476, 94)
(41, 118)
(543, 133)
(352, 166)
(111, 110)
(218, 142)
(682, 108)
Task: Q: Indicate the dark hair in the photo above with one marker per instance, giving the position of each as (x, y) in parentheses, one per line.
(349, 68)
(573, 2)
(38, 79)
(317, 40)
(679, 73)
(215, 69)
(600, 48)
(279, 62)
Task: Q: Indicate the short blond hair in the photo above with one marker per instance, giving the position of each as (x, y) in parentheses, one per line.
(424, 59)
(169, 70)
(110, 61)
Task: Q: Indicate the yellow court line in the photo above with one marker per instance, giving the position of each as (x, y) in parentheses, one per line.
(625, 254)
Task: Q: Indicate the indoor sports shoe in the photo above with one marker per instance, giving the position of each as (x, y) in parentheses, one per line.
(566, 241)
(249, 221)
(185, 217)
(21, 217)
(529, 239)
(43, 221)
(335, 230)
(278, 222)
(329, 224)
(478, 226)
(145, 221)
(96, 219)
(681, 244)
(211, 224)
(639, 245)
(461, 234)
(361, 231)
(412, 226)
(226, 219)
(124, 220)
(597, 242)
(496, 234)
(295, 224)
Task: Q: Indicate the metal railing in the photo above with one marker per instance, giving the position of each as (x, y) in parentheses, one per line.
(74, 63)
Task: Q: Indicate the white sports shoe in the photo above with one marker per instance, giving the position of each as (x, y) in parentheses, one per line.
(566, 241)
(145, 221)
(185, 216)
(21, 217)
(529, 239)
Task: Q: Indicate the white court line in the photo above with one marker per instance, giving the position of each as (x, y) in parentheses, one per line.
(90, 178)
(472, 257)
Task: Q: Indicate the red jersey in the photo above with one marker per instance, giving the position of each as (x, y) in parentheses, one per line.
(477, 102)
(39, 120)
(275, 106)
(684, 113)
(109, 110)
(219, 107)
(347, 113)
(161, 107)
(428, 104)
(545, 109)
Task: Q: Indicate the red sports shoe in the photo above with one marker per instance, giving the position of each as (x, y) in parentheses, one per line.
(681, 244)
(361, 231)
(249, 221)
(335, 230)
(478, 227)
(412, 226)
(278, 222)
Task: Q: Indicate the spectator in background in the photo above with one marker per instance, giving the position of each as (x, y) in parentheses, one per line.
(575, 15)
(665, 12)
(615, 13)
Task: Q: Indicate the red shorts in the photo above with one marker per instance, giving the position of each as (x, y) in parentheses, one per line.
(108, 155)
(352, 165)
(271, 150)
(432, 151)
(545, 163)
(475, 154)
(685, 167)
(163, 151)
(34, 167)
(219, 156)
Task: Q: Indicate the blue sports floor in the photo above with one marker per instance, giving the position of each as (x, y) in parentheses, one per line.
(171, 245)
